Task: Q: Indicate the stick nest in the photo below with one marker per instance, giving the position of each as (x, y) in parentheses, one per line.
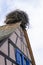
(18, 16)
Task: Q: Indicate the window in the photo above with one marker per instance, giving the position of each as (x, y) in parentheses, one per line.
(18, 57)
(27, 62)
(21, 59)
(24, 61)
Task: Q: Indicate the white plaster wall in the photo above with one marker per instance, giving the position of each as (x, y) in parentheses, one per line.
(8, 62)
(22, 46)
(19, 43)
(12, 52)
(24, 40)
(4, 47)
(13, 37)
(14, 64)
(28, 54)
(25, 52)
(21, 30)
(2, 62)
(18, 32)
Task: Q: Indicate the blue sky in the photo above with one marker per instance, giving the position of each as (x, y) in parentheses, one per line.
(34, 9)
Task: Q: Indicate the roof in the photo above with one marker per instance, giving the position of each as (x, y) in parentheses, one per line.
(7, 30)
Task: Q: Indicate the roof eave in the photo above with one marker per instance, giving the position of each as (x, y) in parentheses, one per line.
(8, 29)
(29, 47)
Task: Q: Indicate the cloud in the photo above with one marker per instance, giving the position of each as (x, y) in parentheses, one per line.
(34, 8)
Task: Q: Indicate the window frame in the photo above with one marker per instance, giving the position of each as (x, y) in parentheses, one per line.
(22, 58)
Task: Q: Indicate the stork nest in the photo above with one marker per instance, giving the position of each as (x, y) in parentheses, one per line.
(17, 16)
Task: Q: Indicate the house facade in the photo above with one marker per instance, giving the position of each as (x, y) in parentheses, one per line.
(14, 49)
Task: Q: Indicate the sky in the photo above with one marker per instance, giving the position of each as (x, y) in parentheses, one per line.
(34, 9)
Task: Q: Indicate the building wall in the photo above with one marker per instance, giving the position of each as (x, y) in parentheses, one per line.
(2, 62)
(4, 47)
(15, 40)
(18, 38)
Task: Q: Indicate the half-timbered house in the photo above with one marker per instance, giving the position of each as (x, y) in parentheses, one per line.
(15, 47)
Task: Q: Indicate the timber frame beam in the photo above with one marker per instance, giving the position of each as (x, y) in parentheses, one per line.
(29, 47)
